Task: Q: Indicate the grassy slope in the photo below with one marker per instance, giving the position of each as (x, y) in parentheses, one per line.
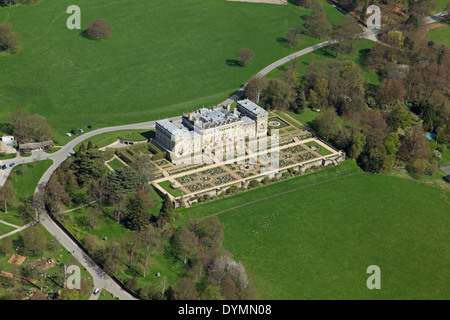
(116, 164)
(164, 58)
(4, 228)
(26, 184)
(440, 35)
(104, 139)
(332, 172)
(318, 243)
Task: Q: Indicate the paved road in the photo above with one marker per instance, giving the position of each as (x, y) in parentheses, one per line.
(101, 279)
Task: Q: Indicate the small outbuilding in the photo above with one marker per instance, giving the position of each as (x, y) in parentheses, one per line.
(28, 147)
(447, 178)
(7, 138)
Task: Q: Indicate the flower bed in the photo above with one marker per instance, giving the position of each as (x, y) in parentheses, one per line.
(245, 174)
(223, 179)
(198, 186)
(294, 149)
(305, 156)
(285, 163)
(305, 136)
(188, 178)
(213, 171)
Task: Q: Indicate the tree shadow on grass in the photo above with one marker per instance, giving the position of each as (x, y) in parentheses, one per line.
(149, 134)
(362, 56)
(83, 34)
(282, 41)
(233, 63)
(325, 52)
(371, 87)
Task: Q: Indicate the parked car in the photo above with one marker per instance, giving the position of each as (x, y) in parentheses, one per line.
(4, 167)
(89, 127)
(81, 130)
(96, 291)
(68, 134)
(74, 132)
(12, 164)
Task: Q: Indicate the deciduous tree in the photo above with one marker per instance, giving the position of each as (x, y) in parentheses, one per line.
(9, 40)
(7, 194)
(98, 29)
(245, 56)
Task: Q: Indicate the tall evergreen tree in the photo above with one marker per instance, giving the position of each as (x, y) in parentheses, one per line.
(166, 212)
(137, 216)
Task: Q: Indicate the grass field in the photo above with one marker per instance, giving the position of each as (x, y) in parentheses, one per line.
(306, 117)
(166, 186)
(316, 242)
(6, 156)
(3, 227)
(322, 151)
(104, 139)
(164, 57)
(25, 184)
(440, 35)
(198, 211)
(441, 5)
(116, 164)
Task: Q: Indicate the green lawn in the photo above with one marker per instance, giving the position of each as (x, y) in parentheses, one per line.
(12, 216)
(116, 164)
(285, 118)
(104, 139)
(440, 5)
(53, 150)
(316, 242)
(166, 186)
(440, 35)
(322, 151)
(306, 117)
(164, 57)
(6, 156)
(5, 228)
(332, 172)
(25, 184)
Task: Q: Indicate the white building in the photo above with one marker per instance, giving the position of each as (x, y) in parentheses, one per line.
(216, 132)
(7, 138)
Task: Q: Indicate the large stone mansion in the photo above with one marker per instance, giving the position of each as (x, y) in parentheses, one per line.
(210, 133)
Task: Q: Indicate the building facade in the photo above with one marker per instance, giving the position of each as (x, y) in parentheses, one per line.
(212, 133)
